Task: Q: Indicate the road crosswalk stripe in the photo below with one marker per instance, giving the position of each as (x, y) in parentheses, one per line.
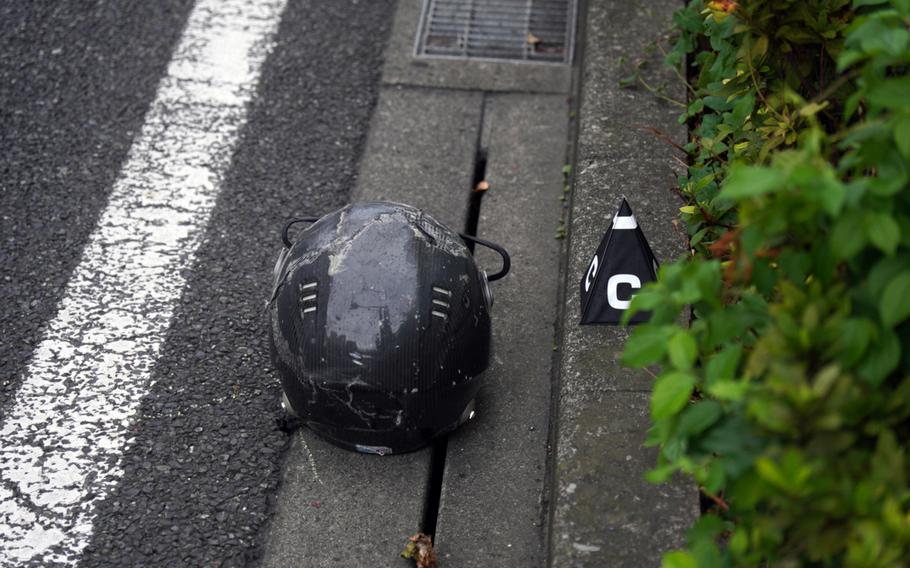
(63, 436)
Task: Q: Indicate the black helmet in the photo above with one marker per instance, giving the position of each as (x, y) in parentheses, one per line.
(380, 326)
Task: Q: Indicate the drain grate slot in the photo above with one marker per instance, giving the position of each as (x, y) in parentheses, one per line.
(538, 31)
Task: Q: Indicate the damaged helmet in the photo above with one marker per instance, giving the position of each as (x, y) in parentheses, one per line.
(380, 326)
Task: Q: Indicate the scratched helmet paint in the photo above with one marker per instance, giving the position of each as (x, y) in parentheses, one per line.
(380, 326)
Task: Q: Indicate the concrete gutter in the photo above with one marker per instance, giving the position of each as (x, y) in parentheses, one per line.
(502, 488)
(483, 492)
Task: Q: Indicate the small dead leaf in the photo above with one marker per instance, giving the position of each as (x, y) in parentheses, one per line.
(482, 185)
(533, 39)
(722, 5)
(420, 549)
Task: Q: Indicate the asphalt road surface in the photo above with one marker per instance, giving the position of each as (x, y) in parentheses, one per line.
(179, 472)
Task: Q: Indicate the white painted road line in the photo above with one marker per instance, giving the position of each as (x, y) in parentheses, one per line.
(65, 433)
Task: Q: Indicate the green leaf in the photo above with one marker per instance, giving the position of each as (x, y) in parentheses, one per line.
(832, 193)
(724, 365)
(883, 231)
(848, 236)
(811, 109)
(881, 359)
(884, 272)
(735, 439)
(707, 554)
(682, 350)
(698, 236)
(647, 299)
(895, 302)
(890, 93)
(751, 181)
(673, 449)
(696, 418)
(769, 471)
(707, 527)
(902, 136)
(647, 345)
(657, 434)
(853, 339)
(678, 559)
(728, 390)
(661, 474)
(759, 48)
(789, 474)
(671, 393)
(696, 107)
(688, 19)
(795, 264)
(716, 476)
(739, 542)
(847, 58)
(742, 108)
(878, 36)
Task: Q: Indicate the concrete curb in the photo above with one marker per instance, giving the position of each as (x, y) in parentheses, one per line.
(604, 512)
(420, 151)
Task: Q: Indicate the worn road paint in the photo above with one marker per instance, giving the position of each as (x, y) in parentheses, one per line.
(64, 436)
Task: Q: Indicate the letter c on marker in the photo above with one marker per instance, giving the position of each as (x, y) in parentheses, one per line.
(592, 272)
(612, 285)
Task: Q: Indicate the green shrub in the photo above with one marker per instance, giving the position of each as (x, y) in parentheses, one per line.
(788, 397)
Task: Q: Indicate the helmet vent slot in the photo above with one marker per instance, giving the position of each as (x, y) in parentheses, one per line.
(441, 303)
(308, 297)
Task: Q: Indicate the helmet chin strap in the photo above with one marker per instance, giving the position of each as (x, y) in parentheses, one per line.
(284, 232)
(506, 260)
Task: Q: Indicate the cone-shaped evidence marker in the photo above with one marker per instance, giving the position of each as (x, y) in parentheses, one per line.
(622, 265)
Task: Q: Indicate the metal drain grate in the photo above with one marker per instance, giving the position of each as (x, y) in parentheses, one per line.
(539, 31)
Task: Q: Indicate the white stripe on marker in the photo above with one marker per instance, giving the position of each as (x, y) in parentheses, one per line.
(627, 222)
(63, 438)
